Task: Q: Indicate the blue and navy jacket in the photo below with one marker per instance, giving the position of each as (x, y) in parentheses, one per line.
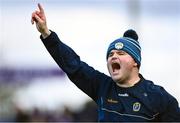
(142, 102)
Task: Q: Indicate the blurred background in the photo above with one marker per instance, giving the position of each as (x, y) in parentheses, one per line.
(34, 88)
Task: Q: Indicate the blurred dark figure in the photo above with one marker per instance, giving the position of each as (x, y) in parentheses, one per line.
(21, 115)
(88, 114)
(38, 116)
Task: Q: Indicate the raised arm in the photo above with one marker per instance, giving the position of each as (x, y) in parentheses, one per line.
(39, 18)
(81, 74)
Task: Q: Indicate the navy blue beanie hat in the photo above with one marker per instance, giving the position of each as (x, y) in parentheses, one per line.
(128, 43)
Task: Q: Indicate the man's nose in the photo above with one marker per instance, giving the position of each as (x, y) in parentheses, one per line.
(115, 56)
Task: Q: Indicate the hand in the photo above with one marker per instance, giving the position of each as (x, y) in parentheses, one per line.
(40, 19)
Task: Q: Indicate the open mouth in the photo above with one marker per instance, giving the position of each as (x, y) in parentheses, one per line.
(115, 67)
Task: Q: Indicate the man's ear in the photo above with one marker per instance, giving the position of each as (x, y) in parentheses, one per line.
(135, 64)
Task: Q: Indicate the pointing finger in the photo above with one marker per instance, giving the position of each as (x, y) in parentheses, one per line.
(40, 8)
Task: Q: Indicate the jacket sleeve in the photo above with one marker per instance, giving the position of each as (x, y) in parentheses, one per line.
(172, 110)
(81, 74)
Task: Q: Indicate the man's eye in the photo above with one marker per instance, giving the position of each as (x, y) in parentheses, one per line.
(110, 54)
(121, 53)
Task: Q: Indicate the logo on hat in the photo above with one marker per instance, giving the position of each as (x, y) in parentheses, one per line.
(136, 106)
(119, 45)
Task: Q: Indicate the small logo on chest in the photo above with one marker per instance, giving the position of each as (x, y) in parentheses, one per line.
(136, 106)
(123, 95)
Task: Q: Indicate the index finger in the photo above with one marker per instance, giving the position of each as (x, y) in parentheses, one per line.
(40, 8)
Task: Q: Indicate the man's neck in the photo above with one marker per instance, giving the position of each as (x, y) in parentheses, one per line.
(129, 83)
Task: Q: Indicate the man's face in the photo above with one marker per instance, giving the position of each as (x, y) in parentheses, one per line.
(120, 66)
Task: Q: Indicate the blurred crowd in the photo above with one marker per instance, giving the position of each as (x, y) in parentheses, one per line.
(87, 114)
(11, 111)
(13, 80)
